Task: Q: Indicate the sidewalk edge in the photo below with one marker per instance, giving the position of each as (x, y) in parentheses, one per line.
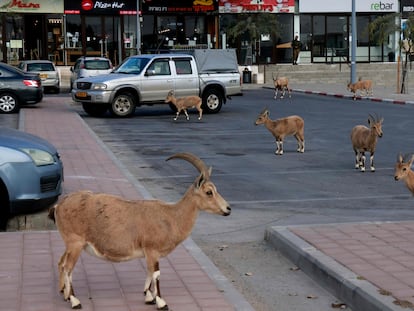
(359, 294)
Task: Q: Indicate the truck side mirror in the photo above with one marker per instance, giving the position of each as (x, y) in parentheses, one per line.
(150, 72)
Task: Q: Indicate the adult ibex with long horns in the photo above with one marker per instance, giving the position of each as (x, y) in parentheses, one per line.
(115, 229)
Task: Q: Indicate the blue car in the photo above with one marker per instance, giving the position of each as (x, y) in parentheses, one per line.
(31, 174)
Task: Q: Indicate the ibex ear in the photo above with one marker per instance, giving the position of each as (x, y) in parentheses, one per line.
(202, 178)
(400, 158)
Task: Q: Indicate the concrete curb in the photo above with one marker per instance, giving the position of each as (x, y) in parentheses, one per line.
(357, 293)
(339, 95)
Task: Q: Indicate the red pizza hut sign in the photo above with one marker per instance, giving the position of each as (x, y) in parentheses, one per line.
(105, 7)
(247, 6)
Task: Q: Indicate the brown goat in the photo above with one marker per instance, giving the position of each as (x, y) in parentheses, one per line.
(182, 103)
(364, 139)
(292, 125)
(404, 172)
(361, 85)
(281, 84)
(115, 229)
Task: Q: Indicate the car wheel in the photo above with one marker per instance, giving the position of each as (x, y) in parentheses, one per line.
(212, 100)
(9, 103)
(95, 110)
(123, 105)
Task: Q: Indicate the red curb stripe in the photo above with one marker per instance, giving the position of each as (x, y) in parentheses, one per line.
(376, 99)
(399, 102)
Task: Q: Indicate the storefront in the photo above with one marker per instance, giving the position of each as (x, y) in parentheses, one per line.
(169, 24)
(99, 28)
(29, 30)
(325, 28)
(266, 49)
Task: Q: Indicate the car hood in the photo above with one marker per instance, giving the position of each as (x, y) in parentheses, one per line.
(12, 138)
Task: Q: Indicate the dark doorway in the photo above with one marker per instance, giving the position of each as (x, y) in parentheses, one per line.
(35, 37)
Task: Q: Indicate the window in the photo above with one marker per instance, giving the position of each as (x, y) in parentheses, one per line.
(183, 66)
(160, 67)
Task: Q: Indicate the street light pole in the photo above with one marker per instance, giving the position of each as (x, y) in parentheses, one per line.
(353, 43)
(138, 28)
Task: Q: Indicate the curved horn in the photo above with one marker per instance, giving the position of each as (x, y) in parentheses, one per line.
(194, 160)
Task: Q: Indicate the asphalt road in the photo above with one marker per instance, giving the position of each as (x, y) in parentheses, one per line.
(319, 186)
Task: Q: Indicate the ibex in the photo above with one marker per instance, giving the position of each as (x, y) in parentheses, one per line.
(115, 229)
(364, 139)
(281, 84)
(292, 125)
(404, 172)
(183, 103)
(362, 85)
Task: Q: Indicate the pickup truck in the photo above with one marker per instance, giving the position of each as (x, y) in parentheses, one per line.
(147, 79)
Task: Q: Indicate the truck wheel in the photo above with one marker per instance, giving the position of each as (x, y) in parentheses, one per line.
(95, 110)
(212, 101)
(9, 103)
(123, 105)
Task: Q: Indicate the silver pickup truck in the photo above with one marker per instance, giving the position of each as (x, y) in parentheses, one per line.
(147, 79)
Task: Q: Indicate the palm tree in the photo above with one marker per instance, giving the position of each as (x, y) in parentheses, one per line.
(383, 26)
(253, 25)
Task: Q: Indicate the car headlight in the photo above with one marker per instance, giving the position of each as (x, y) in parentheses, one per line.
(39, 157)
(98, 86)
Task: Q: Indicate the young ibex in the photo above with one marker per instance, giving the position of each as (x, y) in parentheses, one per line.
(364, 139)
(183, 103)
(404, 172)
(291, 125)
(116, 229)
(281, 84)
(361, 85)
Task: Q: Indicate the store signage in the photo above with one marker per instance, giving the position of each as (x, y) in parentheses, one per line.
(340, 6)
(407, 7)
(174, 6)
(249, 6)
(31, 6)
(108, 7)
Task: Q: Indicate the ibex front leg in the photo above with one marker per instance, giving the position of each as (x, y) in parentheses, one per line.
(279, 147)
(153, 277)
(371, 160)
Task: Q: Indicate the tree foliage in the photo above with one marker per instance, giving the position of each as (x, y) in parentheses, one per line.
(383, 26)
(253, 26)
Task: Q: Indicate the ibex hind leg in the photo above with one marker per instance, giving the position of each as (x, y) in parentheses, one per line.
(66, 265)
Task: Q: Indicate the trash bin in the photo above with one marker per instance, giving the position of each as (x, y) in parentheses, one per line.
(391, 57)
(247, 76)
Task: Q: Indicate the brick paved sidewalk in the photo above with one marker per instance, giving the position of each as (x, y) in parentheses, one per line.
(28, 260)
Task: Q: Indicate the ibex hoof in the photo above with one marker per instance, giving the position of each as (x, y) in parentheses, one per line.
(372, 169)
(362, 169)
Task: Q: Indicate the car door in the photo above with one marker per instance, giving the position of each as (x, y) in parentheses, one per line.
(157, 81)
(186, 80)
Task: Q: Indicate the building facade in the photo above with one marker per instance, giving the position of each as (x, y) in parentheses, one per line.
(63, 30)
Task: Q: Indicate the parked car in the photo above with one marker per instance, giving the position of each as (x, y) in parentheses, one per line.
(88, 66)
(18, 88)
(31, 173)
(47, 71)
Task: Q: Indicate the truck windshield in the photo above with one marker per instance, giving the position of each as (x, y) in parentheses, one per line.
(132, 65)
